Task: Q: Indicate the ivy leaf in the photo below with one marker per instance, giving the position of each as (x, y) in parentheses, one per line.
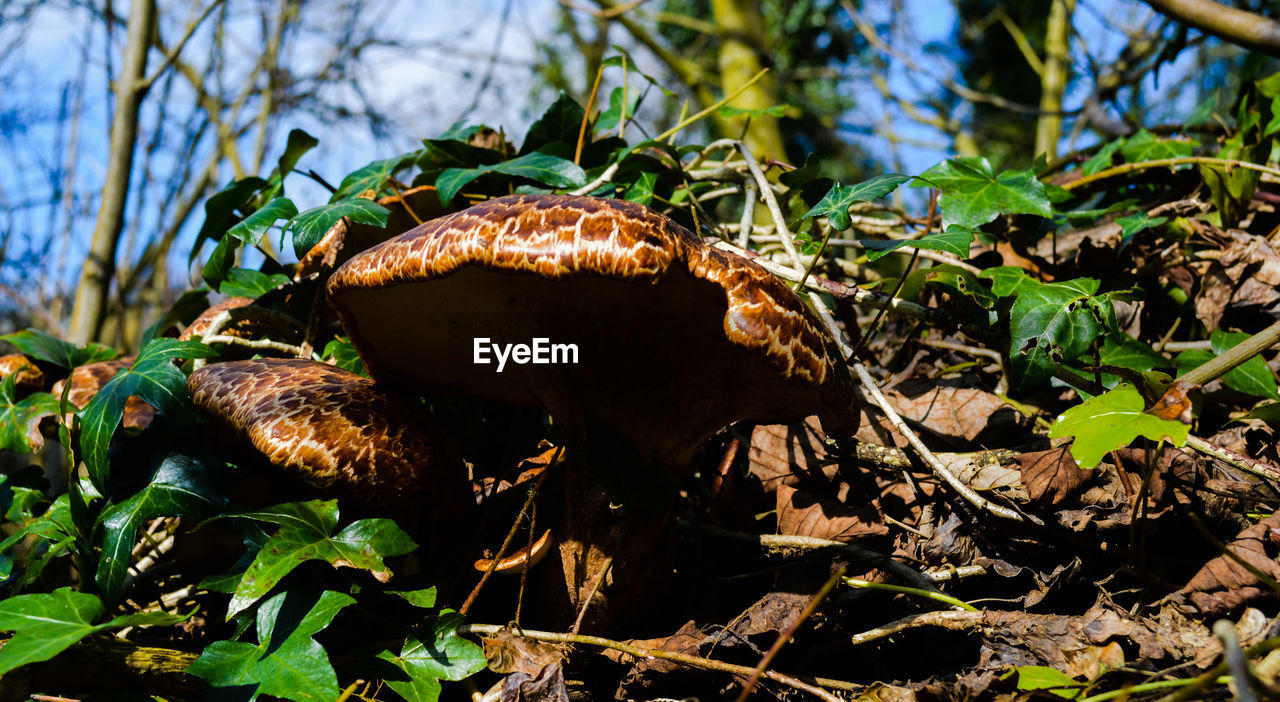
(610, 118)
(181, 486)
(298, 143)
(372, 176)
(972, 194)
(961, 281)
(424, 598)
(251, 229)
(438, 655)
(641, 191)
(1133, 354)
(221, 259)
(537, 166)
(46, 624)
(835, 204)
(1145, 146)
(343, 354)
(223, 209)
(1110, 421)
(311, 226)
(155, 379)
(1134, 223)
(306, 533)
(51, 349)
(1253, 377)
(57, 532)
(20, 421)
(955, 240)
(1050, 323)
(559, 123)
(1007, 280)
(1102, 160)
(246, 282)
(1041, 677)
(286, 662)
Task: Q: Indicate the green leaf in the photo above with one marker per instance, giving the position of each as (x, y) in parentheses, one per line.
(1145, 146)
(306, 533)
(1131, 353)
(152, 377)
(610, 118)
(223, 209)
(51, 349)
(424, 598)
(1008, 280)
(46, 624)
(559, 123)
(1254, 376)
(20, 421)
(251, 229)
(311, 226)
(537, 166)
(1202, 112)
(1102, 160)
(961, 281)
(299, 143)
(286, 662)
(1268, 412)
(372, 177)
(221, 259)
(180, 486)
(245, 282)
(1040, 677)
(1134, 223)
(438, 655)
(1110, 421)
(835, 204)
(641, 191)
(1049, 323)
(972, 194)
(343, 354)
(955, 240)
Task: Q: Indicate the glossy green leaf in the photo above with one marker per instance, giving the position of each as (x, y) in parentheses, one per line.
(371, 177)
(311, 226)
(220, 261)
(1049, 323)
(537, 166)
(1145, 146)
(46, 624)
(1007, 280)
(307, 533)
(559, 123)
(245, 282)
(1040, 677)
(251, 229)
(960, 281)
(609, 119)
(972, 194)
(20, 420)
(1133, 354)
(641, 191)
(1254, 376)
(1110, 421)
(1137, 222)
(835, 204)
(297, 144)
(51, 349)
(431, 655)
(225, 208)
(955, 240)
(342, 353)
(180, 487)
(153, 377)
(286, 662)
(1104, 159)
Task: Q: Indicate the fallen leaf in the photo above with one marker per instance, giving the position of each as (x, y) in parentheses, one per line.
(1052, 476)
(801, 513)
(1223, 584)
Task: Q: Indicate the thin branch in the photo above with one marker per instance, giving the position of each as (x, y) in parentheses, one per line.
(1252, 31)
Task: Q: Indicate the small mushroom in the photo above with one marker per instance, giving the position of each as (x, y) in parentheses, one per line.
(200, 325)
(332, 428)
(88, 379)
(674, 340)
(27, 378)
(408, 210)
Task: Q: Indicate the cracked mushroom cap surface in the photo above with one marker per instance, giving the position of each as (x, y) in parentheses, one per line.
(334, 429)
(674, 339)
(27, 378)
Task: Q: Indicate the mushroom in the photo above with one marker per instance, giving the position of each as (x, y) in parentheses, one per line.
(27, 378)
(88, 379)
(674, 339)
(333, 429)
(200, 325)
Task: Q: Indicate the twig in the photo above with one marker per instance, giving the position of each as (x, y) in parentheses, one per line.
(1244, 463)
(749, 195)
(1170, 163)
(785, 636)
(650, 653)
(1233, 656)
(1235, 356)
(715, 106)
(950, 620)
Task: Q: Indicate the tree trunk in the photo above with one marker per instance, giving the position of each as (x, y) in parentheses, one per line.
(1053, 84)
(91, 297)
(741, 44)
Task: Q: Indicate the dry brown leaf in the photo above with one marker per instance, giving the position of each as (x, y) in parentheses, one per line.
(509, 653)
(1224, 584)
(781, 454)
(547, 686)
(1052, 476)
(1247, 273)
(957, 413)
(802, 513)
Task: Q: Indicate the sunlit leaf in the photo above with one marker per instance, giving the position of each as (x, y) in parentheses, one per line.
(955, 240)
(310, 227)
(51, 349)
(971, 194)
(1110, 421)
(835, 205)
(433, 654)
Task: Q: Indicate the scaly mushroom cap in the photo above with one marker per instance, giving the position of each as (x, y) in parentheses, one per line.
(200, 325)
(675, 339)
(26, 377)
(88, 379)
(331, 427)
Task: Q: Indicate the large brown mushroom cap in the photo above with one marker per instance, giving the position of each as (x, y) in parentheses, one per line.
(331, 427)
(676, 339)
(26, 377)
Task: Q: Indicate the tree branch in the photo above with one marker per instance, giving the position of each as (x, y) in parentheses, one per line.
(1253, 32)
